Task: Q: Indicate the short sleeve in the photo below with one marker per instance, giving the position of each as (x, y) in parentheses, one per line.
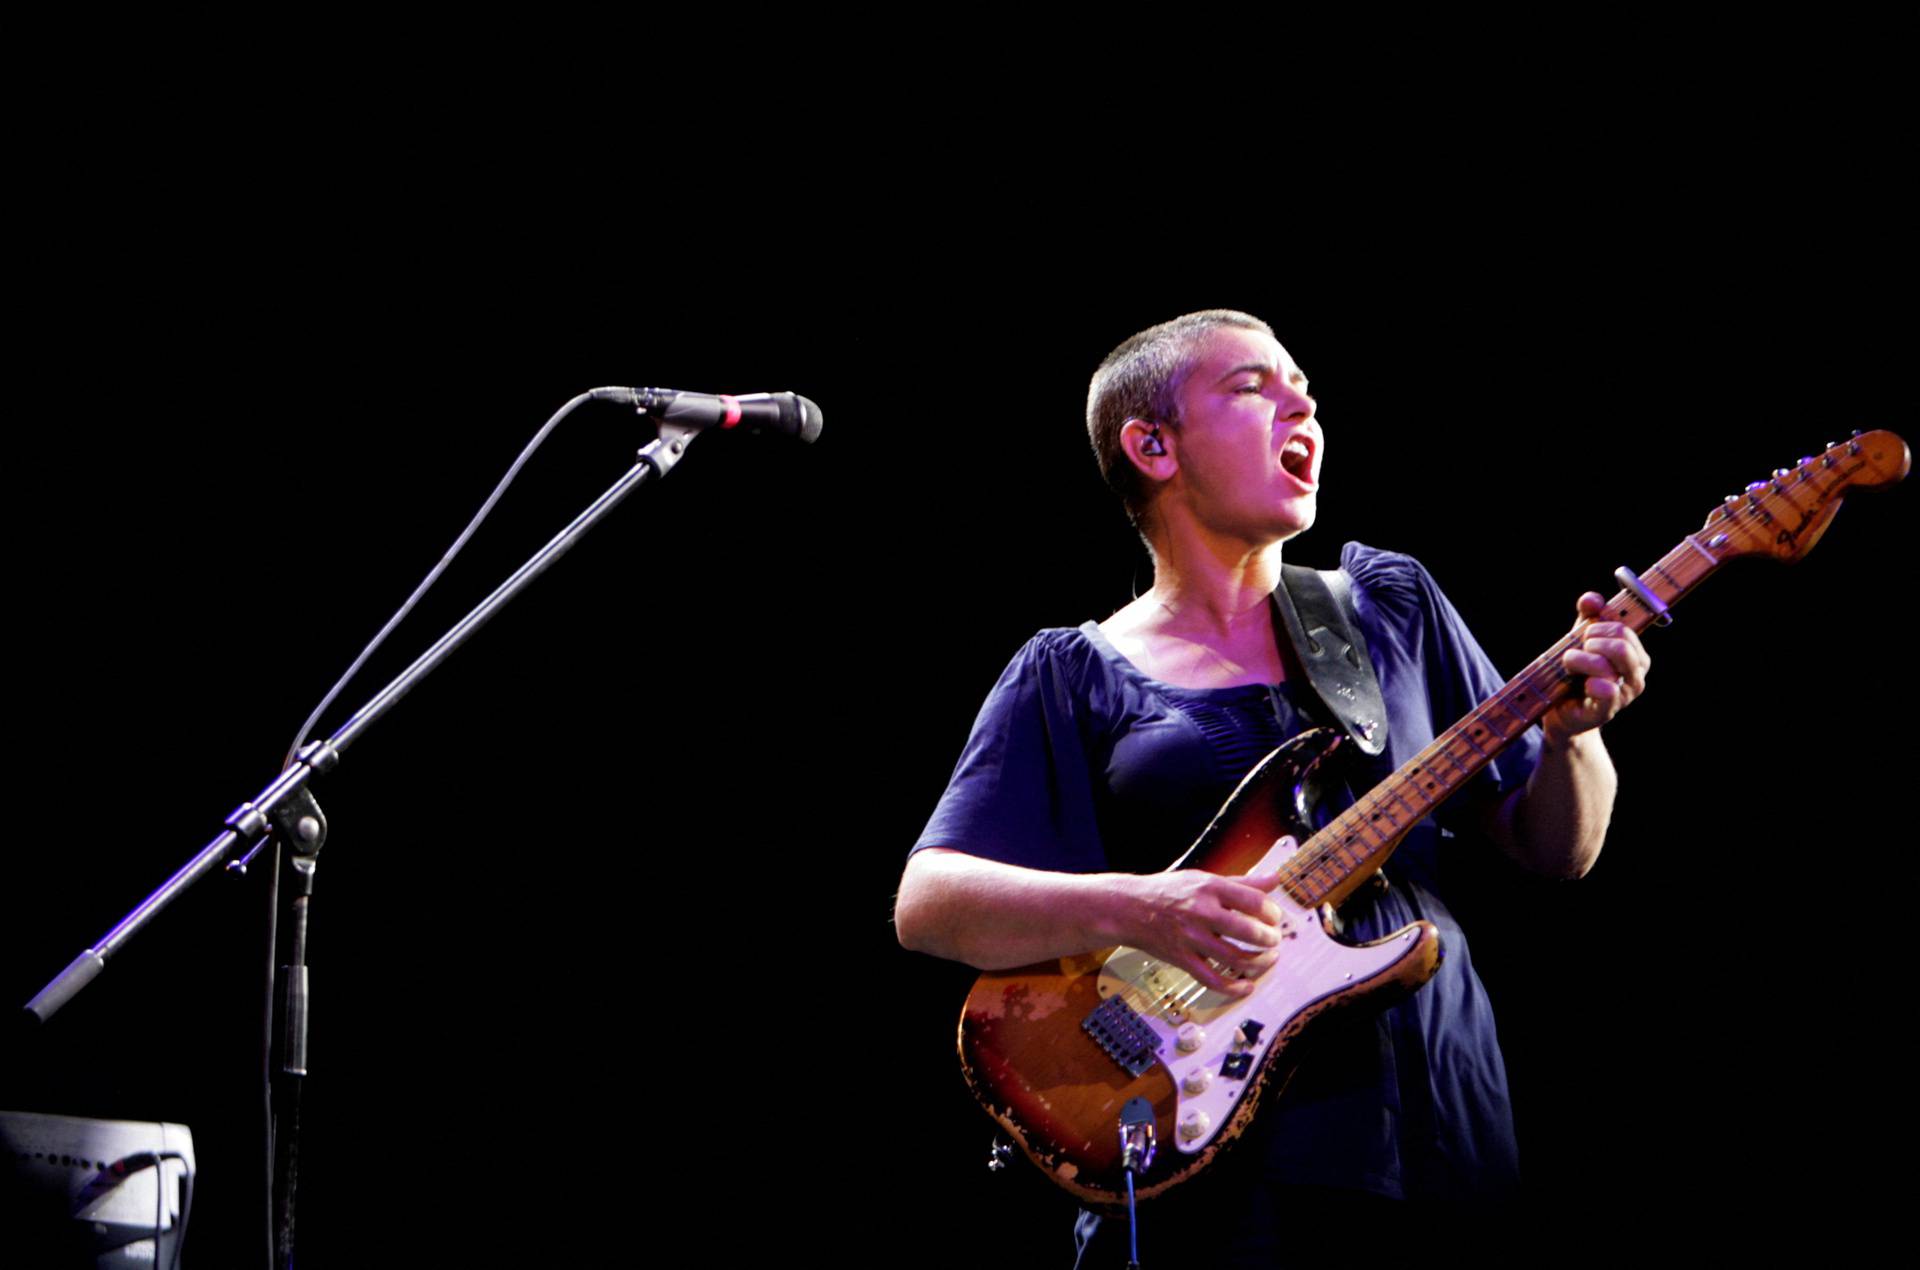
(1432, 669)
(1022, 791)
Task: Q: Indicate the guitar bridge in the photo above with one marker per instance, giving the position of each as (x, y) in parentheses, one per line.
(1124, 1035)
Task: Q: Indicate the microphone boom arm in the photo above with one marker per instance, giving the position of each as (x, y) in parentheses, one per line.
(248, 825)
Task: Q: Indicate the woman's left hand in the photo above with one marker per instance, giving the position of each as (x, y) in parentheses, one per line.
(1615, 664)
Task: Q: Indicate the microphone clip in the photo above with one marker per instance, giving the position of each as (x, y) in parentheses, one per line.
(668, 448)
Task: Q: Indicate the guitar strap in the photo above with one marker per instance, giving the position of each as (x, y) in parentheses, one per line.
(1317, 609)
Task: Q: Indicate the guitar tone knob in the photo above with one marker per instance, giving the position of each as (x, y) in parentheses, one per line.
(1194, 1125)
(1189, 1038)
(1198, 1081)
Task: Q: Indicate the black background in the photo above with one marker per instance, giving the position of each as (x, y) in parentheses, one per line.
(602, 945)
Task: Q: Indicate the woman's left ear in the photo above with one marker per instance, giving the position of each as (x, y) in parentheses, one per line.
(1146, 447)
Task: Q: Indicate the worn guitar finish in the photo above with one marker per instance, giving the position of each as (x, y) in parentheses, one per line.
(1054, 1051)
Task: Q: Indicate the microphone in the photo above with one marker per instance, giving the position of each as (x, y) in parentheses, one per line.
(787, 413)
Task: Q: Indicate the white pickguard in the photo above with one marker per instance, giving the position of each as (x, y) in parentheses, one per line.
(1312, 966)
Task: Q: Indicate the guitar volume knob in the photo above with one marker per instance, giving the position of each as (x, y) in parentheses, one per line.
(1194, 1125)
(1189, 1038)
(1198, 1081)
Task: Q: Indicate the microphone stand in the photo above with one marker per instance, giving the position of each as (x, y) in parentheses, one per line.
(286, 809)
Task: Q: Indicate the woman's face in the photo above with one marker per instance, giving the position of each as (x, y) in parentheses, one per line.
(1248, 445)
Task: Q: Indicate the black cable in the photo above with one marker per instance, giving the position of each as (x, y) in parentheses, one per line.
(186, 1211)
(158, 1160)
(433, 575)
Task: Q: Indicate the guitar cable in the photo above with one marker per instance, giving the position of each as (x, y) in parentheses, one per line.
(1133, 1228)
(1136, 1155)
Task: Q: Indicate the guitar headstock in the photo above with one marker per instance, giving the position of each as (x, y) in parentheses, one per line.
(1785, 515)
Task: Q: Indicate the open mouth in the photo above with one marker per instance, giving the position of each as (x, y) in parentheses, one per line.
(1297, 458)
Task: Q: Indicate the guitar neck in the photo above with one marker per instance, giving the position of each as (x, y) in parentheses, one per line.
(1357, 842)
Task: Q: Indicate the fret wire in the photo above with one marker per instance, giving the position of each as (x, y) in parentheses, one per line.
(1409, 795)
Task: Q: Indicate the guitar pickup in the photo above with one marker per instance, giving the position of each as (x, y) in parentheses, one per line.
(1122, 1033)
(1236, 1066)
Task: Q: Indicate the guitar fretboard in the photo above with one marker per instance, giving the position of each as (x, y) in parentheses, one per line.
(1358, 840)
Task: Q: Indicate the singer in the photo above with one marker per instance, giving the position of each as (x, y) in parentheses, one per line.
(1104, 750)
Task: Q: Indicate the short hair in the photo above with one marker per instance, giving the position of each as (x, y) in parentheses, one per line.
(1138, 380)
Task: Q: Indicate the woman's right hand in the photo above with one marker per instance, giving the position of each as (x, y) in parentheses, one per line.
(1200, 921)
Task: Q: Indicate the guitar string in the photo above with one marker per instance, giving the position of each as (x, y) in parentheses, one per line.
(1543, 676)
(1183, 995)
(1300, 865)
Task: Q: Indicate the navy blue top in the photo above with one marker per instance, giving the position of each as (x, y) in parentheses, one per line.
(1081, 763)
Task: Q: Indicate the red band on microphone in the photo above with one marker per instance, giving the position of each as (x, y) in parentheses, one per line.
(733, 410)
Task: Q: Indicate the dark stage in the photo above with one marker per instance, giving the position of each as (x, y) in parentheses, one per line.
(601, 950)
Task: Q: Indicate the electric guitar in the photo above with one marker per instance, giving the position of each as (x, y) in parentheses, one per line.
(1114, 1058)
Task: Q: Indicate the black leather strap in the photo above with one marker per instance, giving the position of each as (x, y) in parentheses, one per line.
(1317, 610)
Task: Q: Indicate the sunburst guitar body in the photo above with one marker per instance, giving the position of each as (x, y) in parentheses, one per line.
(1056, 1051)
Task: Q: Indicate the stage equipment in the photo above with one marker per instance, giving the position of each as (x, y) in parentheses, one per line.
(111, 1194)
(285, 811)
